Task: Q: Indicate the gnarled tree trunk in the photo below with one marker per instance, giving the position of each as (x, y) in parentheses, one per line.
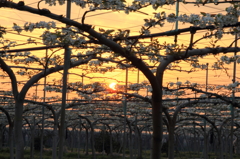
(19, 142)
(55, 135)
(171, 144)
(10, 133)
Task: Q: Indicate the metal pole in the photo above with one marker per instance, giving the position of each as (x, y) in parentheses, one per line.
(137, 143)
(205, 141)
(82, 84)
(125, 115)
(64, 90)
(176, 25)
(43, 110)
(204, 120)
(79, 137)
(64, 95)
(207, 78)
(36, 93)
(138, 78)
(194, 137)
(231, 137)
(233, 100)
(32, 138)
(177, 91)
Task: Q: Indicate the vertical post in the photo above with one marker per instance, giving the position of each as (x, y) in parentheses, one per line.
(64, 95)
(79, 137)
(103, 145)
(136, 139)
(231, 133)
(233, 100)
(194, 137)
(207, 78)
(138, 77)
(64, 90)
(82, 84)
(204, 121)
(32, 138)
(36, 91)
(176, 24)
(125, 115)
(205, 141)
(68, 11)
(44, 100)
(177, 91)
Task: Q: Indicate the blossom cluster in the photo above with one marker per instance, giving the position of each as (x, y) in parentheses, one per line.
(179, 83)
(22, 72)
(52, 89)
(17, 54)
(26, 58)
(8, 93)
(197, 65)
(93, 4)
(65, 36)
(200, 20)
(31, 26)
(76, 85)
(231, 86)
(7, 44)
(135, 86)
(95, 63)
(62, 37)
(229, 60)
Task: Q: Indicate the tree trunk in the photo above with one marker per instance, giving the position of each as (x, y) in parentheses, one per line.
(55, 135)
(139, 145)
(72, 136)
(18, 129)
(130, 143)
(171, 141)
(111, 142)
(79, 139)
(1, 135)
(92, 144)
(11, 141)
(205, 151)
(32, 139)
(157, 127)
(220, 145)
(86, 142)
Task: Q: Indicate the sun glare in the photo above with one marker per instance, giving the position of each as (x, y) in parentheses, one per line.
(113, 86)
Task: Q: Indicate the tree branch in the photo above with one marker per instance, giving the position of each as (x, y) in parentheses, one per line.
(12, 76)
(46, 72)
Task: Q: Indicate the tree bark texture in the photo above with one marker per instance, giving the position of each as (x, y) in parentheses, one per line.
(171, 142)
(19, 143)
(55, 136)
(10, 133)
(157, 130)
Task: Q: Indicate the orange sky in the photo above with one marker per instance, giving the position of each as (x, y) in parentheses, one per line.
(133, 21)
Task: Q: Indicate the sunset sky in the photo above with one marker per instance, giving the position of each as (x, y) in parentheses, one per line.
(119, 20)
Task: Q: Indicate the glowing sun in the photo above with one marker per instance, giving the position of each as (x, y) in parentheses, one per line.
(113, 86)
